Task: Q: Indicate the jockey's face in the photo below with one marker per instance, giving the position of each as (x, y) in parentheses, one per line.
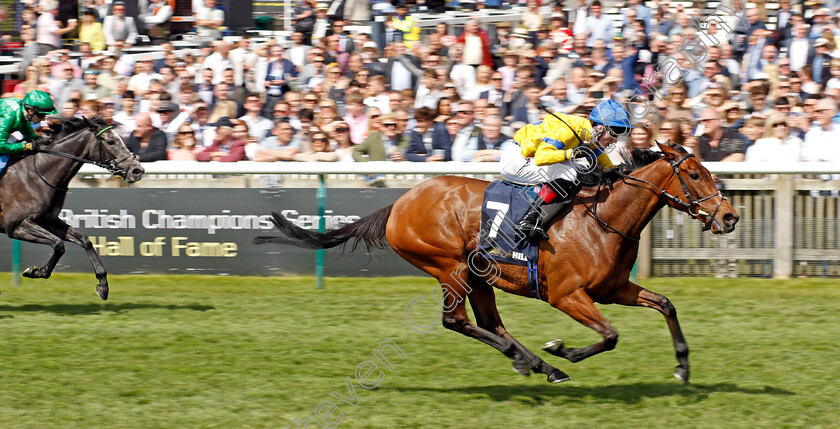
(604, 137)
(35, 117)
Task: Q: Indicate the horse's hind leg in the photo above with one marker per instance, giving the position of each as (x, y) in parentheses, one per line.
(580, 307)
(30, 231)
(483, 302)
(635, 295)
(455, 314)
(67, 233)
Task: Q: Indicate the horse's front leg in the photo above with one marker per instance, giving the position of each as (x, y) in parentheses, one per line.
(32, 232)
(67, 233)
(580, 307)
(635, 295)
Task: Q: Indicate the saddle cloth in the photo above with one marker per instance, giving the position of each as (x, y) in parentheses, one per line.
(504, 204)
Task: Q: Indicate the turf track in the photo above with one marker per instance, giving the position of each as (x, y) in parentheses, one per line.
(235, 352)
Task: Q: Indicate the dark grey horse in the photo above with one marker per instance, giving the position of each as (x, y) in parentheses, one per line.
(34, 185)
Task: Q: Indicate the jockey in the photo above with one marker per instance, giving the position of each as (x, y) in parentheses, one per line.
(18, 115)
(551, 153)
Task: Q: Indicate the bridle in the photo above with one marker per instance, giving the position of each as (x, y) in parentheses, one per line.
(690, 206)
(109, 164)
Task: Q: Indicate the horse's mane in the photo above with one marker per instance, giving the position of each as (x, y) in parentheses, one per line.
(71, 125)
(631, 160)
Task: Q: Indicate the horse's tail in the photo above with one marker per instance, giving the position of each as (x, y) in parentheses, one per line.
(370, 229)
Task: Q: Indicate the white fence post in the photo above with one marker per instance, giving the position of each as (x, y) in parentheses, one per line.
(783, 208)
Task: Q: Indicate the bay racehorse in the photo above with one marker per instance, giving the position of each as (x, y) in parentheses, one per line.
(34, 185)
(587, 259)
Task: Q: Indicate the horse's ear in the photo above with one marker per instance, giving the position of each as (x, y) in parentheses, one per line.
(669, 150)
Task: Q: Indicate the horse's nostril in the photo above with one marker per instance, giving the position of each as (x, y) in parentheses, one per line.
(730, 219)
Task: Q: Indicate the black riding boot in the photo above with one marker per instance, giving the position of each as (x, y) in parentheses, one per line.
(531, 224)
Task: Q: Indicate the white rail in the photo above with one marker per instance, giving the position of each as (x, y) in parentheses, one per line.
(383, 167)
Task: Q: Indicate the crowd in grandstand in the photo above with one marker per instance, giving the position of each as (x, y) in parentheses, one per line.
(329, 94)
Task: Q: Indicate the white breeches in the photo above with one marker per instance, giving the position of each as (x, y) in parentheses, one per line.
(518, 169)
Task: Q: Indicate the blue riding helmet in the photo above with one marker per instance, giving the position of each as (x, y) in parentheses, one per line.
(611, 115)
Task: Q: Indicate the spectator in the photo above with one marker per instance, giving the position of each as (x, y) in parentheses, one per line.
(313, 74)
(528, 112)
(183, 148)
(406, 26)
(422, 144)
(821, 64)
(276, 147)
(147, 142)
(70, 109)
(777, 145)
(322, 23)
(303, 138)
(476, 45)
(403, 70)
(462, 75)
(258, 125)
(117, 26)
(219, 61)
(222, 106)
(304, 19)
(204, 131)
(142, 80)
(298, 51)
(469, 137)
(48, 31)
(483, 83)
(718, 143)
(157, 21)
(61, 89)
(356, 118)
(376, 95)
(279, 71)
(821, 139)
(170, 119)
(320, 151)
(228, 143)
(208, 20)
(598, 26)
(495, 94)
(91, 90)
(127, 115)
(89, 108)
(340, 139)
(753, 129)
(494, 142)
(385, 145)
(91, 31)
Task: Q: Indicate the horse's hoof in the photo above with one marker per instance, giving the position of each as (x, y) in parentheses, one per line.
(681, 374)
(30, 272)
(553, 346)
(558, 376)
(102, 291)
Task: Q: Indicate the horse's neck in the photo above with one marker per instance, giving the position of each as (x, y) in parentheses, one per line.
(631, 205)
(59, 169)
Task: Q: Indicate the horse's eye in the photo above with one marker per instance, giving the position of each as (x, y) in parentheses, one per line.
(111, 142)
(694, 176)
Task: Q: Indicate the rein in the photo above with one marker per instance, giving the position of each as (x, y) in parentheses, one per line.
(693, 201)
(111, 165)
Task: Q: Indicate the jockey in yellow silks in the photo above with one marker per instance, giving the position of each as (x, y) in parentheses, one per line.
(552, 152)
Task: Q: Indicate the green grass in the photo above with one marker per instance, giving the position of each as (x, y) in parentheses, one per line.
(235, 352)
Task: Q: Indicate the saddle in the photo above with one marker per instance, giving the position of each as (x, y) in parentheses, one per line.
(505, 203)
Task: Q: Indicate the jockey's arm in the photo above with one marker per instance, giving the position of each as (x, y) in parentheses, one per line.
(29, 133)
(7, 148)
(551, 151)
